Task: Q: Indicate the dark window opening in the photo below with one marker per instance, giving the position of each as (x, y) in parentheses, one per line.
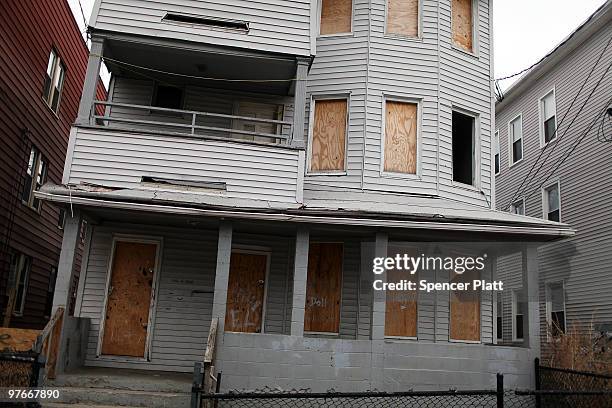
(550, 126)
(169, 97)
(463, 148)
(558, 323)
(496, 163)
(519, 327)
(207, 21)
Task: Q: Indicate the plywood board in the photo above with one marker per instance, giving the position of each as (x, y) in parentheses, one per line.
(245, 292)
(336, 16)
(403, 17)
(464, 311)
(400, 137)
(323, 289)
(401, 307)
(129, 299)
(462, 19)
(17, 339)
(329, 135)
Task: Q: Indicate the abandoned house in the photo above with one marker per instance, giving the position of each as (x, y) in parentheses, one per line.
(251, 160)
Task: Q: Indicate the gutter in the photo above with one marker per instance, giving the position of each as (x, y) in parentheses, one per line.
(550, 231)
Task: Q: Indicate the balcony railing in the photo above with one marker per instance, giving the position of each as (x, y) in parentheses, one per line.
(188, 122)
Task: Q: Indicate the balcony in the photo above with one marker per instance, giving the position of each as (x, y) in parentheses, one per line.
(139, 147)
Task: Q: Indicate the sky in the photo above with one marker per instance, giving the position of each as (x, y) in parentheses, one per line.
(524, 30)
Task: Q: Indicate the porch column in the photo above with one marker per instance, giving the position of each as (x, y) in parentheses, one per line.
(224, 254)
(300, 278)
(379, 301)
(379, 305)
(65, 269)
(531, 319)
(299, 113)
(91, 81)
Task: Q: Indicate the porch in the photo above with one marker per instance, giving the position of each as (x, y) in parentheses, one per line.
(277, 327)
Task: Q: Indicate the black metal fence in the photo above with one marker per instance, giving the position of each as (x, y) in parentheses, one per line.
(497, 398)
(565, 388)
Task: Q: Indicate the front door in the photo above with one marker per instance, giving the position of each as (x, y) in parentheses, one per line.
(129, 299)
(245, 292)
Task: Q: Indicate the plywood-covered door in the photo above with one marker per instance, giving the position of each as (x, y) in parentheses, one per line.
(245, 292)
(129, 299)
(324, 287)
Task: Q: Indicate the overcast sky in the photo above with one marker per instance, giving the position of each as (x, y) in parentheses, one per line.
(524, 30)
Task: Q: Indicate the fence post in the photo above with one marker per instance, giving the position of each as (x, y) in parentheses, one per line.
(500, 390)
(196, 387)
(538, 382)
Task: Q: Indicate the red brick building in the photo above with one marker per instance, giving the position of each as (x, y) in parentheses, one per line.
(43, 59)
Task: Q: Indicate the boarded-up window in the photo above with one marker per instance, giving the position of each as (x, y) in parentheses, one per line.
(463, 24)
(245, 292)
(403, 17)
(465, 309)
(336, 16)
(329, 135)
(401, 307)
(400, 137)
(323, 288)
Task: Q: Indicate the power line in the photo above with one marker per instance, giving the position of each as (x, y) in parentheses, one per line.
(518, 192)
(573, 148)
(575, 117)
(82, 13)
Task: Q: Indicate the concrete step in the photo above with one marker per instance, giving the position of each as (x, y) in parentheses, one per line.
(87, 397)
(124, 380)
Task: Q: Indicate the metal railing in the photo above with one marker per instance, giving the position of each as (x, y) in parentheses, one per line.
(101, 116)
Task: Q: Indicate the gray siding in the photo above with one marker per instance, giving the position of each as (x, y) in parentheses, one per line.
(184, 304)
(281, 26)
(369, 65)
(121, 159)
(585, 261)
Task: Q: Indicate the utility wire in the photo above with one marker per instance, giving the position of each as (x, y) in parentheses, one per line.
(575, 117)
(83, 13)
(572, 149)
(518, 192)
(193, 76)
(554, 49)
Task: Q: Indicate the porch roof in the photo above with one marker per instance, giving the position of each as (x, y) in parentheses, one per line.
(356, 209)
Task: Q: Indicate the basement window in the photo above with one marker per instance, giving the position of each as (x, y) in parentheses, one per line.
(167, 96)
(336, 17)
(403, 17)
(207, 21)
(464, 145)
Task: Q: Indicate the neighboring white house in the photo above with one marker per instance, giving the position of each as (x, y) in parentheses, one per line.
(554, 164)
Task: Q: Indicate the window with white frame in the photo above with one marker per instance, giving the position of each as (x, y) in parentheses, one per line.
(515, 137)
(518, 313)
(500, 317)
(19, 277)
(497, 153)
(548, 117)
(36, 173)
(552, 202)
(54, 81)
(555, 308)
(519, 207)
